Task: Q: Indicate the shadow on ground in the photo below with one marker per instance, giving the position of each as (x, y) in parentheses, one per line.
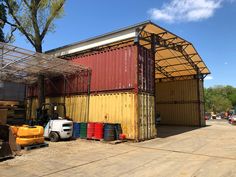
(165, 131)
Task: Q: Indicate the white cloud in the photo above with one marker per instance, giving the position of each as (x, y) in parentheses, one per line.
(186, 10)
(209, 77)
(226, 63)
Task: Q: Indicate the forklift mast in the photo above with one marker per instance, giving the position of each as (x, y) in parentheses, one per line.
(50, 111)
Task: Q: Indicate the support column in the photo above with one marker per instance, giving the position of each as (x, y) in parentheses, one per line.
(41, 90)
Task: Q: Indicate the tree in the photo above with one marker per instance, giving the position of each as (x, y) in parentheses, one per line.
(34, 19)
(220, 98)
(2, 24)
(220, 103)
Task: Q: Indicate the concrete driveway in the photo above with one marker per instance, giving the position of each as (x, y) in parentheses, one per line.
(179, 151)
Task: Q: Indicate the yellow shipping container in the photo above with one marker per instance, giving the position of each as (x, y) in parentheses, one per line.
(31, 106)
(180, 102)
(76, 106)
(134, 112)
(146, 114)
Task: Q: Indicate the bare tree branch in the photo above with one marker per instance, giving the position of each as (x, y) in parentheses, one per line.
(19, 26)
(11, 35)
(26, 3)
(9, 23)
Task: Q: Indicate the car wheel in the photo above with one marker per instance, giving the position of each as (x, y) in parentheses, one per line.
(54, 137)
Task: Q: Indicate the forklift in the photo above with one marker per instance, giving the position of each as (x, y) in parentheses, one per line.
(52, 116)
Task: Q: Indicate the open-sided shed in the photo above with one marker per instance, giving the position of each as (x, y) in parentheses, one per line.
(18, 65)
(179, 69)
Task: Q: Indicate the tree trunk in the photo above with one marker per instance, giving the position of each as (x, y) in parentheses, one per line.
(41, 86)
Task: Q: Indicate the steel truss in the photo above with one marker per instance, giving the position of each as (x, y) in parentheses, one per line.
(159, 43)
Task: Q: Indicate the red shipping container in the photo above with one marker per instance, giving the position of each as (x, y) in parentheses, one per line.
(146, 81)
(78, 83)
(54, 87)
(58, 86)
(32, 90)
(125, 68)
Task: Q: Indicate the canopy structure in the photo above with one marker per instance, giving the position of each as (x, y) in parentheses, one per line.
(174, 57)
(24, 66)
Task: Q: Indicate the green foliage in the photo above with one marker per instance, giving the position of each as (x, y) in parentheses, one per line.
(220, 98)
(34, 18)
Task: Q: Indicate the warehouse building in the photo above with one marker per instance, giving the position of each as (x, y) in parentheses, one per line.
(137, 73)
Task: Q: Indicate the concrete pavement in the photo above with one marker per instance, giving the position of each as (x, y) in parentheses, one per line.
(179, 151)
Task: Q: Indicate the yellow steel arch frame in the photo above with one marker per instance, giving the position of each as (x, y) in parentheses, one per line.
(174, 56)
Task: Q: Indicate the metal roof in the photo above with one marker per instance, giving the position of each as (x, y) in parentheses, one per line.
(24, 66)
(100, 36)
(174, 56)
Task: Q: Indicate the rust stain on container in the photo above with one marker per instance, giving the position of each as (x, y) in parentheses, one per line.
(146, 71)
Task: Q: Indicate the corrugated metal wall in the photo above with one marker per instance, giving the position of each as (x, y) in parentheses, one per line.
(146, 115)
(202, 103)
(125, 68)
(12, 92)
(77, 107)
(180, 102)
(58, 86)
(134, 112)
(122, 91)
(128, 109)
(112, 69)
(115, 108)
(146, 82)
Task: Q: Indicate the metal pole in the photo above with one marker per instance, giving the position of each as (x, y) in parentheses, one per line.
(153, 50)
(88, 102)
(199, 99)
(137, 122)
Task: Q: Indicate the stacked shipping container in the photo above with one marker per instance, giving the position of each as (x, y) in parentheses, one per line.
(122, 90)
(122, 87)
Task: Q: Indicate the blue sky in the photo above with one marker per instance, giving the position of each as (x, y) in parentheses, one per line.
(209, 24)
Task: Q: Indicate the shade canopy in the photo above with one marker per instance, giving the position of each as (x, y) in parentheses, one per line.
(174, 56)
(24, 66)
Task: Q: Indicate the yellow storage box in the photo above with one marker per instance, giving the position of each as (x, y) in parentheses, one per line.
(30, 131)
(29, 141)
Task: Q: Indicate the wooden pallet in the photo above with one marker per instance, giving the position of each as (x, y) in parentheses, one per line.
(94, 139)
(35, 146)
(117, 141)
